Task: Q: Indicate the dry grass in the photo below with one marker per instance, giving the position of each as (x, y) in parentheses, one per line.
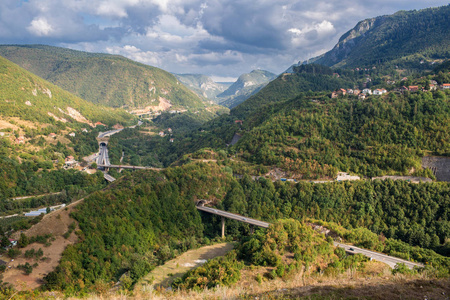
(163, 276)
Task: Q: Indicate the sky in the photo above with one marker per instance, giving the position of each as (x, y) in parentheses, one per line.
(219, 38)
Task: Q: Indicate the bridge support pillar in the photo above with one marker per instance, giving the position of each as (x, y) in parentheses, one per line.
(223, 227)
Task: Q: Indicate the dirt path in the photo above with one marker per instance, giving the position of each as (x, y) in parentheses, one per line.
(165, 274)
(55, 223)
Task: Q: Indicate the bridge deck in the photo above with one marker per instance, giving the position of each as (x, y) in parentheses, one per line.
(234, 216)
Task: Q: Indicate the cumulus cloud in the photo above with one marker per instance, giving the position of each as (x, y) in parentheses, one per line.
(40, 27)
(216, 37)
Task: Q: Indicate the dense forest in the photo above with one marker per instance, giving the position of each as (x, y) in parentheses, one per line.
(148, 217)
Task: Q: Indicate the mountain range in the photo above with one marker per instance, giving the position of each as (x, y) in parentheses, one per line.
(406, 38)
(105, 79)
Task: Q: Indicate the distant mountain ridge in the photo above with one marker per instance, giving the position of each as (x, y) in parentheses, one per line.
(202, 85)
(247, 85)
(110, 80)
(396, 38)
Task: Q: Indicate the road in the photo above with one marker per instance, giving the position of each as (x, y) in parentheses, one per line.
(389, 260)
(103, 157)
(233, 216)
(108, 133)
(128, 167)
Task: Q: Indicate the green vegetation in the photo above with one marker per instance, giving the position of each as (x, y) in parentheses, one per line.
(404, 39)
(105, 79)
(220, 271)
(31, 98)
(375, 137)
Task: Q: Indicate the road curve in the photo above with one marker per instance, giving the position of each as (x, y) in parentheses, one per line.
(236, 217)
(389, 260)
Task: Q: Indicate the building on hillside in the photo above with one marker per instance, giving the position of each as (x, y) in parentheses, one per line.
(171, 140)
(361, 96)
(404, 78)
(350, 91)
(72, 134)
(84, 130)
(432, 87)
(238, 122)
(367, 91)
(12, 243)
(356, 92)
(20, 140)
(342, 92)
(169, 130)
(161, 133)
(446, 86)
(413, 88)
(334, 95)
(379, 92)
(52, 135)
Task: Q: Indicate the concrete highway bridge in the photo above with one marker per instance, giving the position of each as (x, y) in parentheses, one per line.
(389, 260)
(108, 166)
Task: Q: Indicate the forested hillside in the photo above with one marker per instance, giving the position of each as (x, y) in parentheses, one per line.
(109, 80)
(28, 97)
(373, 137)
(398, 39)
(125, 233)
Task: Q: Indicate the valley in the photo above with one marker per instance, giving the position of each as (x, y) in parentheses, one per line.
(330, 180)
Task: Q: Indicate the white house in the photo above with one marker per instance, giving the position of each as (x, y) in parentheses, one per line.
(379, 92)
(367, 91)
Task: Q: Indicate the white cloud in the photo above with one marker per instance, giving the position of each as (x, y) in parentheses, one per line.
(134, 53)
(40, 27)
(311, 34)
(222, 37)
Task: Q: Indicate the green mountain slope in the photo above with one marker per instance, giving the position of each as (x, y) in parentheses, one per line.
(401, 38)
(28, 97)
(289, 85)
(101, 78)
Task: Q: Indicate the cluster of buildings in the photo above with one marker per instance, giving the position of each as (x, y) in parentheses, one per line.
(433, 85)
(361, 94)
(163, 134)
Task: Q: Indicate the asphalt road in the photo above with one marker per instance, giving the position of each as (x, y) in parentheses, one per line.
(389, 260)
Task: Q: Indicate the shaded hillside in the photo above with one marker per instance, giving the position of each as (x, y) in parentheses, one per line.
(247, 85)
(102, 78)
(400, 38)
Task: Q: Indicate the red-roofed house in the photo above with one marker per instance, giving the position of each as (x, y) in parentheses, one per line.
(446, 86)
(413, 88)
(99, 124)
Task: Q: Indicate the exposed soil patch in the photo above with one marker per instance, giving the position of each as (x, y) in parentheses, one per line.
(55, 223)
